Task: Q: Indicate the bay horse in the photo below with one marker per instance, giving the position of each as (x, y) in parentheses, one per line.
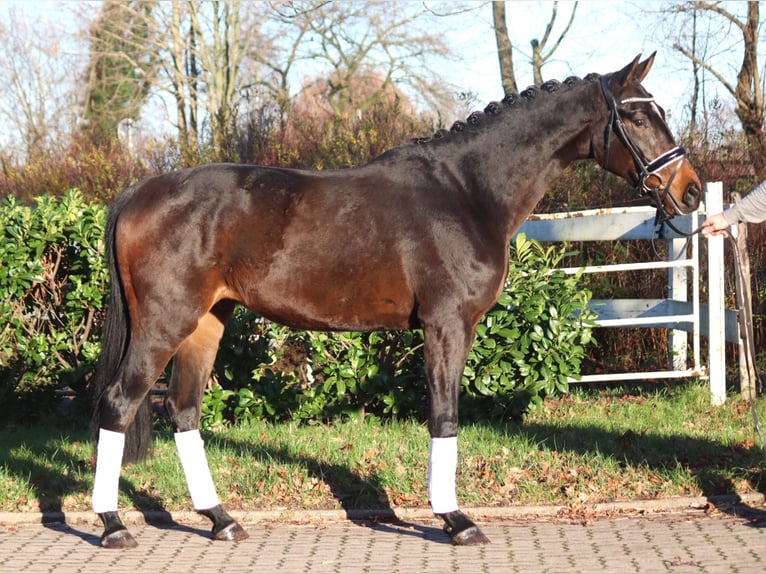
(416, 239)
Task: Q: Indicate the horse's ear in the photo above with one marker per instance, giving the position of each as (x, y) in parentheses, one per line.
(636, 71)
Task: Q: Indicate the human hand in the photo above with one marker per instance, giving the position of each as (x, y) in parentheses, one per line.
(715, 225)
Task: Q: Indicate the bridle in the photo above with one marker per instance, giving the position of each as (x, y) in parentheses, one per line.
(648, 170)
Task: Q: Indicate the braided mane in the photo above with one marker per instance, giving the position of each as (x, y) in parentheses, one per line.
(510, 102)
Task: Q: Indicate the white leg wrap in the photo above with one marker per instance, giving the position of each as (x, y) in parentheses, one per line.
(191, 449)
(442, 466)
(108, 465)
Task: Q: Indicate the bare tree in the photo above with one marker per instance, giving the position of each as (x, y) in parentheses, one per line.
(38, 100)
(203, 50)
(504, 47)
(220, 30)
(218, 59)
(539, 55)
(344, 41)
(696, 68)
(197, 55)
(712, 52)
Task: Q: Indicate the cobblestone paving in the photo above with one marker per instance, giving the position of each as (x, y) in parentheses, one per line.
(651, 544)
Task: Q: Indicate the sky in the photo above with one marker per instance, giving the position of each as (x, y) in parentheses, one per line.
(606, 35)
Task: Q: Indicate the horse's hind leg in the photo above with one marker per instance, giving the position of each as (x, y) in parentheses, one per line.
(141, 366)
(105, 491)
(192, 365)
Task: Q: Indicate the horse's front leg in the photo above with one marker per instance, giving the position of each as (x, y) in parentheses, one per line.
(446, 350)
(191, 369)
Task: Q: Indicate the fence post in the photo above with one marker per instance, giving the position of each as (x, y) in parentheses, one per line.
(677, 278)
(717, 323)
(747, 374)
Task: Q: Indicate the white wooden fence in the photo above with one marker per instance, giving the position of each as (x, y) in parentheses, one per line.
(679, 311)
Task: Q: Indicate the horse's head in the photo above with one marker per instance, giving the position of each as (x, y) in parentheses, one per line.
(638, 146)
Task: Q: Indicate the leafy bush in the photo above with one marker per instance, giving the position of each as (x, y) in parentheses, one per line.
(273, 372)
(526, 347)
(52, 283)
(533, 340)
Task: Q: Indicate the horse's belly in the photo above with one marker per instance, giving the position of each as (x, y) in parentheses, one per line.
(345, 299)
(336, 312)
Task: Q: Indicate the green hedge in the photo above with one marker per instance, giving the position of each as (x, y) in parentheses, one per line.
(52, 286)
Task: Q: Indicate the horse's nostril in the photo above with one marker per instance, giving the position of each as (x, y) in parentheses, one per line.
(692, 195)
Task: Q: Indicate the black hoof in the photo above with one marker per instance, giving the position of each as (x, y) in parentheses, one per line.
(232, 532)
(224, 526)
(115, 535)
(461, 529)
(472, 536)
(120, 540)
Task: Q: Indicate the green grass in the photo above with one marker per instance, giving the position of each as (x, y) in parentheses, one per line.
(591, 446)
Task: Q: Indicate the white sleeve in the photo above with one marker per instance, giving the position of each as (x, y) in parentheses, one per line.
(751, 209)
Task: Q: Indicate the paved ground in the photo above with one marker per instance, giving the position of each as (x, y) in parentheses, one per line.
(733, 540)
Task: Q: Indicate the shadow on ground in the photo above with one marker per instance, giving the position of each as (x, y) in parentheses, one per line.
(21, 455)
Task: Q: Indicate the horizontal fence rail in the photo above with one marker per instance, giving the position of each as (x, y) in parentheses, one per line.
(678, 312)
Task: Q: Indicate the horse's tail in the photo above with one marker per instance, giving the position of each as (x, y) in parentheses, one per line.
(114, 344)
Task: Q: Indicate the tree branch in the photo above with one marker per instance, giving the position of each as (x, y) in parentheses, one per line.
(703, 64)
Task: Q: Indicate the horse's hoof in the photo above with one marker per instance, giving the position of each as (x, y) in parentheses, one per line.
(472, 536)
(232, 532)
(118, 539)
(461, 529)
(224, 526)
(115, 534)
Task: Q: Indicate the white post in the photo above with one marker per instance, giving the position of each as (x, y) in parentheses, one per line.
(696, 294)
(678, 292)
(717, 325)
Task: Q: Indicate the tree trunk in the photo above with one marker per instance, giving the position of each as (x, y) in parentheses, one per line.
(504, 48)
(748, 92)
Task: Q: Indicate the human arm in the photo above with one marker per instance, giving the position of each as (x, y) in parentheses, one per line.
(751, 209)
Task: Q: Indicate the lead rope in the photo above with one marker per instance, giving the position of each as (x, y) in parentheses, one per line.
(661, 219)
(745, 320)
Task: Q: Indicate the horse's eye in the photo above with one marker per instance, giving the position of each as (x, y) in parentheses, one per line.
(640, 123)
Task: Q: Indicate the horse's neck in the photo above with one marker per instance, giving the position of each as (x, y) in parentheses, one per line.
(521, 154)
